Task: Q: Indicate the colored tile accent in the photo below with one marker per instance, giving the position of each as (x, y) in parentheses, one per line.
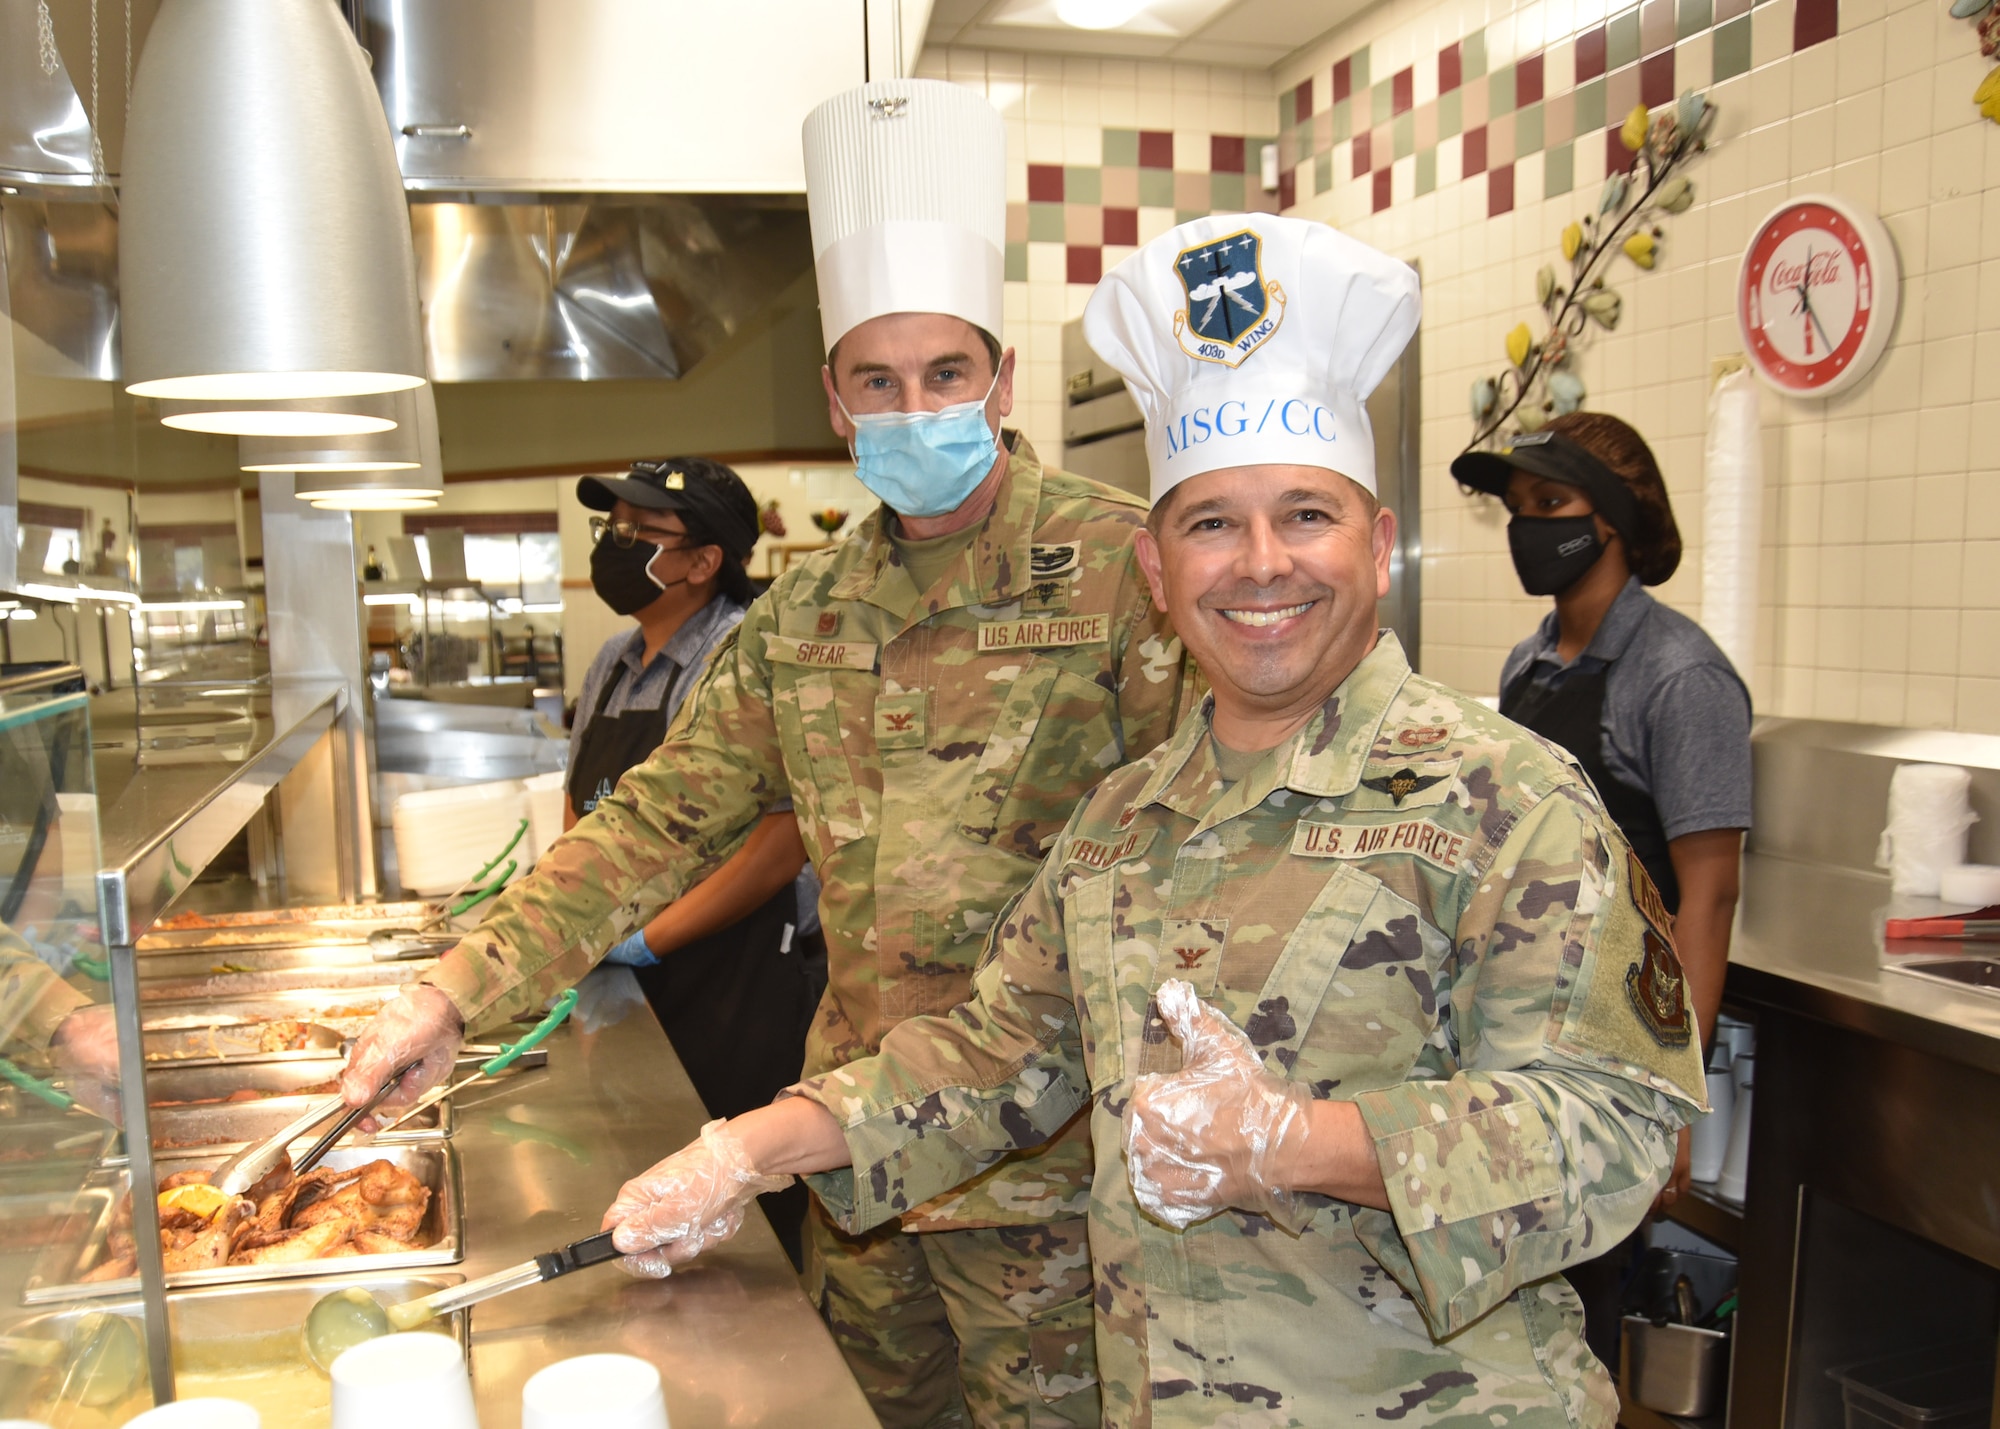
(1225, 153)
(1364, 74)
(1558, 171)
(1816, 20)
(1403, 136)
(1528, 81)
(1192, 192)
(1472, 55)
(1475, 152)
(1403, 91)
(1449, 73)
(1343, 79)
(1382, 189)
(1381, 103)
(1621, 92)
(1045, 183)
(1085, 265)
(1500, 141)
(1156, 188)
(1302, 101)
(1590, 54)
(1426, 116)
(1322, 133)
(1500, 91)
(1730, 9)
(1427, 172)
(1449, 109)
(1656, 79)
(1590, 107)
(1621, 40)
(1656, 26)
(1732, 48)
(1017, 223)
(1156, 149)
(1288, 188)
(1695, 16)
(1080, 185)
(1500, 191)
(1361, 164)
(1189, 215)
(1322, 172)
(1617, 158)
(1343, 122)
(1559, 120)
(1045, 223)
(1121, 148)
(1528, 130)
(1226, 192)
(1083, 224)
(1121, 187)
(1016, 270)
(1121, 225)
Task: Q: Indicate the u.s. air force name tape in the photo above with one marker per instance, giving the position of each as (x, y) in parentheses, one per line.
(1093, 853)
(1420, 837)
(1043, 630)
(820, 654)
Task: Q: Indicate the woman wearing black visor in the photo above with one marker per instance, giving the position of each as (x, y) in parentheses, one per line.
(1647, 703)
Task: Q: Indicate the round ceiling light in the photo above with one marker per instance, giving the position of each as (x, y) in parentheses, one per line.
(1098, 14)
(263, 235)
(316, 417)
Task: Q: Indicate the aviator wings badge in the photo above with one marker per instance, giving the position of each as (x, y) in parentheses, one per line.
(1400, 785)
(1231, 310)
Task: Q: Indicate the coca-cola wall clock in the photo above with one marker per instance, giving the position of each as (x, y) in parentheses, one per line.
(1816, 295)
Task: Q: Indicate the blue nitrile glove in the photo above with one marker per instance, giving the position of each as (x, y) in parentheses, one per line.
(633, 952)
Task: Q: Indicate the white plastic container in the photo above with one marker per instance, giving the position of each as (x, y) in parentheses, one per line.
(594, 1392)
(444, 836)
(1930, 812)
(1736, 1161)
(415, 1378)
(1709, 1142)
(543, 801)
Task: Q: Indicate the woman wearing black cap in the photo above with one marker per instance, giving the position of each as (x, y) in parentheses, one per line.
(1647, 703)
(722, 966)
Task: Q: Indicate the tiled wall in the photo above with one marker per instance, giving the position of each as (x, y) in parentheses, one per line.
(1881, 562)
(1103, 155)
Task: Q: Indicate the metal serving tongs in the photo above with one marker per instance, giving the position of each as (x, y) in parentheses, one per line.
(394, 944)
(509, 1054)
(253, 1163)
(339, 1321)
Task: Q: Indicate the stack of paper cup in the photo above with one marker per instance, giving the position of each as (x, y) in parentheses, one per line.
(1709, 1142)
(594, 1392)
(415, 1378)
(1735, 1176)
(198, 1414)
(1930, 810)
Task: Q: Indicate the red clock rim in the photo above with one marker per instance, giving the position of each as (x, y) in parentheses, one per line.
(1805, 377)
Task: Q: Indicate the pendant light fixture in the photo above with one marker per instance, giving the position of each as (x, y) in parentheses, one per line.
(401, 470)
(312, 417)
(264, 240)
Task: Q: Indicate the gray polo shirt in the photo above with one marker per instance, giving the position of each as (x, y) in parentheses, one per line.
(664, 685)
(1676, 714)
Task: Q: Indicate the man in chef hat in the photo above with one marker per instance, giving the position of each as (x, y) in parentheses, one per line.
(1376, 1018)
(935, 695)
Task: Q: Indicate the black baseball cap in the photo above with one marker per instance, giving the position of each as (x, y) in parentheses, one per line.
(706, 493)
(1557, 458)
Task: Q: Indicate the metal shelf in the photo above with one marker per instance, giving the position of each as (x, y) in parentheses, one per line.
(1704, 1212)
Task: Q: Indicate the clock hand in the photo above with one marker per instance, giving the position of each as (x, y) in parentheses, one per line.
(1805, 308)
(1805, 298)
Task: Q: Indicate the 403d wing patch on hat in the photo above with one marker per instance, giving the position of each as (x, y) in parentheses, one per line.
(1253, 339)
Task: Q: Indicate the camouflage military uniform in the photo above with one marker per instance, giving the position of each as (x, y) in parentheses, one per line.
(1413, 905)
(931, 742)
(33, 999)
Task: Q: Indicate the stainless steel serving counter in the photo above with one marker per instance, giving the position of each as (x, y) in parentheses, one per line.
(1809, 940)
(734, 1337)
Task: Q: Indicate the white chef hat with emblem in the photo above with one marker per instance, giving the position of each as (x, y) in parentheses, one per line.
(1250, 339)
(906, 184)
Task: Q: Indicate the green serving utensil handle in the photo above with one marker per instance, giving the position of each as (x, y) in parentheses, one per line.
(519, 830)
(35, 1086)
(565, 1005)
(480, 895)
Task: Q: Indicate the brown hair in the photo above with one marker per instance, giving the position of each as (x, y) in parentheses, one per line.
(1654, 550)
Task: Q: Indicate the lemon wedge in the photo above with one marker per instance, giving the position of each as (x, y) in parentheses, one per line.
(196, 1199)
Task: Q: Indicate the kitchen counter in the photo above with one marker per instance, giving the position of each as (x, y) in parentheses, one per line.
(1809, 940)
(542, 1155)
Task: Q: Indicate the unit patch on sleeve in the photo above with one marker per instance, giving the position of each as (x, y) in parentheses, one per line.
(1646, 898)
(1658, 990)
(1419, 837)
(1422, 736)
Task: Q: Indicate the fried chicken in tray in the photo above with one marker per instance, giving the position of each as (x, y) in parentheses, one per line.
(374, 1209)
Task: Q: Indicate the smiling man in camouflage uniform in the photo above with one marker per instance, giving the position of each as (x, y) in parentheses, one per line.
(935, 695)
(1377, 1019)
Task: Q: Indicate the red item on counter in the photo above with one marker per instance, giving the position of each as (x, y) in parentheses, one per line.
(1979, 923)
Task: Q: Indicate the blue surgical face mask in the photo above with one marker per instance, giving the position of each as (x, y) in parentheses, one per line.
(924, 463)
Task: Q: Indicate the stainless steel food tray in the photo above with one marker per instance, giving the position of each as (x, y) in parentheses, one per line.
(232, 1329)
(55, 1276)
(224, 1128)
(230, 1029)
(218, 980)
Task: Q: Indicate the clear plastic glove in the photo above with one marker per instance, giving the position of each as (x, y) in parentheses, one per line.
(606, 997)
(85, 1049)
(423, 1026)
(695, 1198)
(1211, 1135)
(633, 952)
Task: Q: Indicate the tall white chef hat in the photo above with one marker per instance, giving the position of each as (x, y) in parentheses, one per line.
(1249, 339)
(906, 182)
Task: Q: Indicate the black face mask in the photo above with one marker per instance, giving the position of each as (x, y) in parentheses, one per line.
(619, 576)
(1551, 553)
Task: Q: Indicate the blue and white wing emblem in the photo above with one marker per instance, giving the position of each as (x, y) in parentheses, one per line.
(1231, 310)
